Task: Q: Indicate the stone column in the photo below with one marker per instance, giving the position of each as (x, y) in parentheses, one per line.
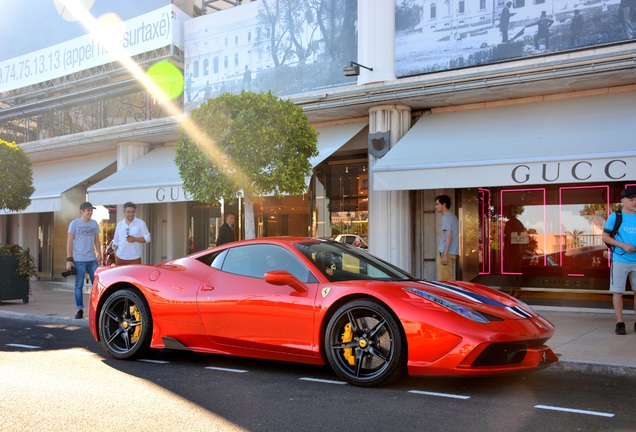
(390, 228)
(3, 228)
(376, 40)
(130, 151)
(177, 224)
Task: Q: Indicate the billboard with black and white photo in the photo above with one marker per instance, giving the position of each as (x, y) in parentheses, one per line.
(284, 46)
(433, 35)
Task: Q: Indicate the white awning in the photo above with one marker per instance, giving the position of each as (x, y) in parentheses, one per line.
(51, 180)
(153, 178)
(591, 139)
(331, 138)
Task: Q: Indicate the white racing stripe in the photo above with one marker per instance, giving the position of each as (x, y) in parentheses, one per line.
(572, 410)
(322, 381)
(226, 369)
(455, 290)
(448, 395)
(23, 346)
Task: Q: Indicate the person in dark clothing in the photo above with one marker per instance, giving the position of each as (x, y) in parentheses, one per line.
(543, 31)
(226, 232)
(626, 10)
(576, 28)
(504, 21)
(247, 79)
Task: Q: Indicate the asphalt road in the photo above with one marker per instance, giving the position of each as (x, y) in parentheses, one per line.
(56, 377)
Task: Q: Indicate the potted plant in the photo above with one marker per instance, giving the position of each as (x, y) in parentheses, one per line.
(17, 266)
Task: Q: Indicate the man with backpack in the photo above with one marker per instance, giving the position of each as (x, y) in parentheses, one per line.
(621, 237)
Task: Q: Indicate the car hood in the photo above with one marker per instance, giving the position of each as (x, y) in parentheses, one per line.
(468, 294)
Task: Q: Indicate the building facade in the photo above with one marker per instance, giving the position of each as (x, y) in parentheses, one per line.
(530, 133)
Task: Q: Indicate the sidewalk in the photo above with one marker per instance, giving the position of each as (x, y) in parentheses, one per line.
(584, 339)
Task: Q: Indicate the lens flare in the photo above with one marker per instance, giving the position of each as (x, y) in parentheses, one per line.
(111, 27)
(168, 78)
(67, 14)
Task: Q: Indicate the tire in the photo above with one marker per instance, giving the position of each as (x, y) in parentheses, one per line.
(125, 324)
(364, 344)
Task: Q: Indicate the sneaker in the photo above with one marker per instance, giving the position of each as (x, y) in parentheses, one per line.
(80, 315)
(620, 328)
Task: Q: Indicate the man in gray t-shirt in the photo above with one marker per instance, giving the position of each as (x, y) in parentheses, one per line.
(449, 245)
(81, 244)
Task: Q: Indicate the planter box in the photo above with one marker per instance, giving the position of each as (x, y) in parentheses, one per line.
(12, 286)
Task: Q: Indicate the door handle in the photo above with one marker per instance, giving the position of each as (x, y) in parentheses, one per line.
(207, 288)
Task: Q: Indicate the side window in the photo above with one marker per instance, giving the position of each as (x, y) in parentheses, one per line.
(256, 260)
(214, 260)
(217, 262)
(279, 258)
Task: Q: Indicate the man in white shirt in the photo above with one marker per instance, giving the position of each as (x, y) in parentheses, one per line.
(131, 234)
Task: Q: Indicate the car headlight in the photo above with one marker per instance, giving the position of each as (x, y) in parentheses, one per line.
(464, 311)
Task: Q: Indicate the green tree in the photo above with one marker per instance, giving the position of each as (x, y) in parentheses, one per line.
(16, 177)
(248, 144)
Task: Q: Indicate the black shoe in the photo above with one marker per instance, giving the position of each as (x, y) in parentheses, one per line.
(620, 328)
(80, 315)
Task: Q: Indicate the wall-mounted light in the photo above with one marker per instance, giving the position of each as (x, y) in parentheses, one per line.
(354, 69)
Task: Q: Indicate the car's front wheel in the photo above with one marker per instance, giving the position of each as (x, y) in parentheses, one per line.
(125, 324)
(364, 344)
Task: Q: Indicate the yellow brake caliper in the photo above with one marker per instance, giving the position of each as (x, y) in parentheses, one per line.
(137, 316)
(347, 336)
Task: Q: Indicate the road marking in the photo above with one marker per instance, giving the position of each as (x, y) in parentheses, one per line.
(323, 381)
(154, 361)
(226, 369)
(448, 395)
(23, 346)
(578, 411)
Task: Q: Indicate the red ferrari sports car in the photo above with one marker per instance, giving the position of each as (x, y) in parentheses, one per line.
(319, 302)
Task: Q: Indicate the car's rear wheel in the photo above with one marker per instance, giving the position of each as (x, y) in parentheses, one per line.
(125, 324)
(364, 344)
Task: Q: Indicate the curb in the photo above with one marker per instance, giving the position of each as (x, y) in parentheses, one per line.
(595, 368)
(45, 318)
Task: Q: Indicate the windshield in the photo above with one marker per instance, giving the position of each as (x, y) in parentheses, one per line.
(341, 262)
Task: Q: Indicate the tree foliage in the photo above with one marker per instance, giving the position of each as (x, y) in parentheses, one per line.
(16, 177)
(248, 144)
(293, 29)
(407, 15)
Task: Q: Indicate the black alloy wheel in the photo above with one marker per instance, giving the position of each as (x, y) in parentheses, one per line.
(365, 344)
(125, 324)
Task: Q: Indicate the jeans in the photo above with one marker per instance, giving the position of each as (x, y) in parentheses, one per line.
(82, 268)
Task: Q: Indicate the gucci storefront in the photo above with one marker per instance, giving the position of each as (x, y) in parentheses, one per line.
(532, 185)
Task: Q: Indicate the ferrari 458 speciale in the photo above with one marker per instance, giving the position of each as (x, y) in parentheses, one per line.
(319, 302)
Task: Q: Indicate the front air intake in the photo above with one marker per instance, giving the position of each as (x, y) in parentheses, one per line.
(501, 354)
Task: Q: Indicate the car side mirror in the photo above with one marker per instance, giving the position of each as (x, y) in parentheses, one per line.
(282, 277)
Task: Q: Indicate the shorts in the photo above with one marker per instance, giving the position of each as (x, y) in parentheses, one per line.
(446, 272)
(619, 272)
(122, 262)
